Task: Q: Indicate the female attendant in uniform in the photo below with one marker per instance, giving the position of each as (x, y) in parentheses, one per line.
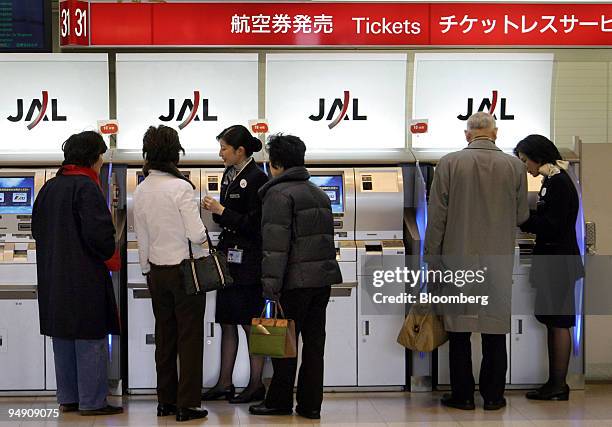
(239, 214)
(557, 264)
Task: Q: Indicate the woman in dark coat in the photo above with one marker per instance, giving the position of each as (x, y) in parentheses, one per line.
(75, 248)
(556, 262)
(239, 214)
(298, 269)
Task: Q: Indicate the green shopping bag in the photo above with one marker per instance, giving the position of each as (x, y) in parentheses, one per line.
(273, 337)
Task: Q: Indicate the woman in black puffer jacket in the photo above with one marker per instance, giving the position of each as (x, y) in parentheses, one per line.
(298, 268)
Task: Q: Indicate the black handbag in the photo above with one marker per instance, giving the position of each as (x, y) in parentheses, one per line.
(206, 274)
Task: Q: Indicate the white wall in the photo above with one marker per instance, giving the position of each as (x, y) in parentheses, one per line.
(580, 102)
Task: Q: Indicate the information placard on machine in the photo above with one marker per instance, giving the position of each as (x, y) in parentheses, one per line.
(16, 195)
(332, 185)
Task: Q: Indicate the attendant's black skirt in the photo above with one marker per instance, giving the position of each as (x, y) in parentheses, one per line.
(238, 304)
(558, 321)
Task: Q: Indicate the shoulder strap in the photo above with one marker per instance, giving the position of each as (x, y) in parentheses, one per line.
(211, 248)
(190, 250)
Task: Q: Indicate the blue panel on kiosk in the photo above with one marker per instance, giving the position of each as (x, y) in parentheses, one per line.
(333, 186)
(16, 195)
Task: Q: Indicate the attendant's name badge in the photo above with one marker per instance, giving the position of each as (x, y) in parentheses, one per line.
(234, 256)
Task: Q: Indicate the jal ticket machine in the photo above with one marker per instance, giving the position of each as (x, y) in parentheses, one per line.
(379, 204)
(367, 205)
(341, 342)
(21, 344)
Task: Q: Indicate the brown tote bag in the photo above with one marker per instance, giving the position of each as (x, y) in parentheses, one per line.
(423, 330)
(273, 337)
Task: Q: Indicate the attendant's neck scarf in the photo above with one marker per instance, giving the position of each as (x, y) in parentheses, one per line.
(549, 169)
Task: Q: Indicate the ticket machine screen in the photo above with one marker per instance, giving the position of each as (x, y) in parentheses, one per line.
(332, 185)
(16, 195)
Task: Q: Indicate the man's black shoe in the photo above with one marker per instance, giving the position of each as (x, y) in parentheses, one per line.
(165, 409)
(69, 407)
(312, 414)
(463, 404)
(107, 410)
(491, 405)
(186, 414)
(262, 409)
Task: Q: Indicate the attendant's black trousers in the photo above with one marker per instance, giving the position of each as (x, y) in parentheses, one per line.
(179, 330)
(493, 368)
(307, 307)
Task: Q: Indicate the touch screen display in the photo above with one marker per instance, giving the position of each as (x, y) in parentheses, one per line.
(332, 185)
(16, 195)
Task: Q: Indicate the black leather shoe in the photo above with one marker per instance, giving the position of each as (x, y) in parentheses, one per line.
(245, 397)
(69, 407)
(547, 392)
(186, 414)
(312, 415)
(107, 410)
(494, 405)
(165, 409)
(262, 409)
(463, 404)
(217, 393)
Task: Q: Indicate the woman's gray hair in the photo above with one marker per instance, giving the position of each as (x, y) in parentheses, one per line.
(481, 120)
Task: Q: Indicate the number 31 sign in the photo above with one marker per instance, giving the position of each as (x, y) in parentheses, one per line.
(74, 23)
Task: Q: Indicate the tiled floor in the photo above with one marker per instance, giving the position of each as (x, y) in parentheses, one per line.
(589, 408)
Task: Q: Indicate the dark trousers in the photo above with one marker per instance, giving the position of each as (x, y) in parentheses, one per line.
(307, 308)
(493, 368)
(179, 330)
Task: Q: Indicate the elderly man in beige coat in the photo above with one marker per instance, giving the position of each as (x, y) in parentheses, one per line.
(478, 198)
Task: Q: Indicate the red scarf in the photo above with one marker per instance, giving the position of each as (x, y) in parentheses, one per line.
(80, 170)
(114, 262)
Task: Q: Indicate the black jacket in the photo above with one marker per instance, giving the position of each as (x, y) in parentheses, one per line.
(556, 253)
(241, 222)
(298, 235)
(74, 235)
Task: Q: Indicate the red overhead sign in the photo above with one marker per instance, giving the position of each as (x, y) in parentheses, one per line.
(74, 23)
(343, 24)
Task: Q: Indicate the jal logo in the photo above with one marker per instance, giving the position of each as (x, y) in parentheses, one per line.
(190, 109)
(342, 106)
(38, 107)
(490, 105)
(20, 197)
